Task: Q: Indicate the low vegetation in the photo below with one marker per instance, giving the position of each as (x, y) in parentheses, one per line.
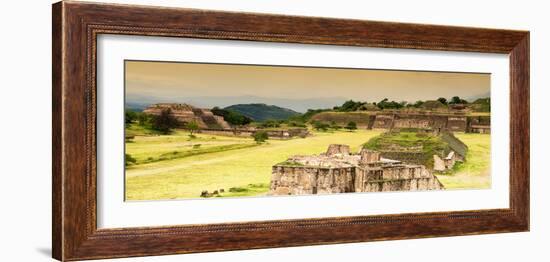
(260, 136)
(410, 141)
(351, 126)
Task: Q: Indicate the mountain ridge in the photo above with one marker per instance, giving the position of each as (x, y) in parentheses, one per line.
(262, 111)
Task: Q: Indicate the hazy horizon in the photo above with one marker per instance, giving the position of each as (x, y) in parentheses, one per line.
(296, 88)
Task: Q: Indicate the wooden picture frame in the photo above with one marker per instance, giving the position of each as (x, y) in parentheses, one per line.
(76, 26)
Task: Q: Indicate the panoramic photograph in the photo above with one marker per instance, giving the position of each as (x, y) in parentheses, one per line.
(206, 131)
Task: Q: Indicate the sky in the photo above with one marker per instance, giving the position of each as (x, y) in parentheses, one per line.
(297, 88)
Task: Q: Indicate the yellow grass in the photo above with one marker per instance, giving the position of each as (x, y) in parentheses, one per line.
(247, 168)
(475, 173)
(215, 164)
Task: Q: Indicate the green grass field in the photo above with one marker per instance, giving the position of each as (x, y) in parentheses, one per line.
(475, 173)
(175, 166)
(246, 171)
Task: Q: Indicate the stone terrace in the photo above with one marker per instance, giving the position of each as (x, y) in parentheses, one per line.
(339, 171)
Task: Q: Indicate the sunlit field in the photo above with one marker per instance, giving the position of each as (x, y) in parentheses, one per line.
(175, 166)
(475, 173)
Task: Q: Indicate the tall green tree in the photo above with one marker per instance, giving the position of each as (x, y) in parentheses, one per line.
(192, 127)
(457, 100)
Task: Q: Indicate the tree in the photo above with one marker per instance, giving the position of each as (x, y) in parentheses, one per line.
(386, 104)
(418, 104)
(129, 116)
(165, 122)
(457, 100)
(192, 127)
(334, 125)
(232, 117)
(349, 106)
(351, 126)
(260, 136)
(144, 119)
(320, 126)
(270, 123)
(442, 100)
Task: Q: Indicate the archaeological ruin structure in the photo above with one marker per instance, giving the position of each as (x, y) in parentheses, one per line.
(185, 113)
(452, 120)
(445, 149)
(340, 171)
(209, 123)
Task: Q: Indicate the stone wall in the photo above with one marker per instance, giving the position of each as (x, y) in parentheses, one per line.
(416, 158)
(454, 120)
(479, 124)
(456, 145)
(300, 180)
(337, 149)
(457, 123)
(383, 121)
(272, 134)
(395, 178)
(373, 177)
(361, 118)
(420, 184)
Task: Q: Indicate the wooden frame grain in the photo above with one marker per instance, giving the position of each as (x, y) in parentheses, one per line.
(75, 28)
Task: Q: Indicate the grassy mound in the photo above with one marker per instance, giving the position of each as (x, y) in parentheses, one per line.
(409, 145)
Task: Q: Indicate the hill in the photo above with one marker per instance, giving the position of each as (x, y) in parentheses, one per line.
(262, 112)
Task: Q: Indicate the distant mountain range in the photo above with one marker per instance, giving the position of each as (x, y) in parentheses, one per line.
(140, 102)
(262, 112)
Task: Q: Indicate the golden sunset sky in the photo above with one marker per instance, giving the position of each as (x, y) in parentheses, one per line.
(210, 83)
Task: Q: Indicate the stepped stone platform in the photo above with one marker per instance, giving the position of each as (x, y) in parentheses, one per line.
(339, 171)
(185, 113)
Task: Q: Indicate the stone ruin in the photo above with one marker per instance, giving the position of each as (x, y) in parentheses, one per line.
(185, 113)
(209, 123)
(454, 121)
(443, 160)
(340, 171)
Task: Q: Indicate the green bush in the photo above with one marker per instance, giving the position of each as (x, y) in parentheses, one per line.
(238, 189)
(260, 136)
(320, 126)
(351, 126)
(129, 160)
